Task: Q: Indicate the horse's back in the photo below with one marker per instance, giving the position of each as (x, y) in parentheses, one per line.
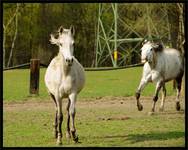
(171, 63)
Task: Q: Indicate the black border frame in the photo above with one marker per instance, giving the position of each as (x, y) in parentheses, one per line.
(97, 1)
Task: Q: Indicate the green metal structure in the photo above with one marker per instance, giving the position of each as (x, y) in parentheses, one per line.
(117, 42)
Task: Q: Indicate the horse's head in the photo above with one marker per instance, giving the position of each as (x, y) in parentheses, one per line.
(148, 51)
(65, 41)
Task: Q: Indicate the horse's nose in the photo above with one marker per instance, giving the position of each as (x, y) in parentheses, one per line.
(69, 61)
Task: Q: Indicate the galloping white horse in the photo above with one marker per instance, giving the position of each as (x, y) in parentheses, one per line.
(161, 65)
(64, 78)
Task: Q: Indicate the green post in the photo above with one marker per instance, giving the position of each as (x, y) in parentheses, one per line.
(115, 34)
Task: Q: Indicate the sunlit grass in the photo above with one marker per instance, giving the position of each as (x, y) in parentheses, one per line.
(98, 84)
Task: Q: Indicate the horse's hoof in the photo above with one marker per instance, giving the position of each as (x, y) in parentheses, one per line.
(59, 142)
(178, 106)
(68, 136)
(151, 113)
(140, 107)
(161, 109)
(75, 139)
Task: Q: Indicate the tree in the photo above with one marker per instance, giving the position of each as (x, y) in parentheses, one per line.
(27, 26)
(181, 29)
(6, 28)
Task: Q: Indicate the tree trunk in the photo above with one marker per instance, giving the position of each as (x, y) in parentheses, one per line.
(4, 41)
(181, 30)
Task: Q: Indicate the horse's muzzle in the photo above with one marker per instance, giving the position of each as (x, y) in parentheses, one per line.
(143, 60)
(69, 61)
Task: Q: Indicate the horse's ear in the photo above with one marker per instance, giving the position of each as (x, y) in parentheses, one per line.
(144, 42)
(158, 47)
(72, 30)
(60, 29)
(53, 40)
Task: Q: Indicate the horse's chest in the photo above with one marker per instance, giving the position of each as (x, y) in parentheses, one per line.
(66, 86)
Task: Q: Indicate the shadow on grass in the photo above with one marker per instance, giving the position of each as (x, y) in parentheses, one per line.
(171, 113)
(134, 138)
(155, 136)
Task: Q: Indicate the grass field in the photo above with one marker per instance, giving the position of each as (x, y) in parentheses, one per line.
(106, 113)
(98, 84)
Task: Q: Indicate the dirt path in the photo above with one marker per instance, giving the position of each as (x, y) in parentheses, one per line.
(95, 103)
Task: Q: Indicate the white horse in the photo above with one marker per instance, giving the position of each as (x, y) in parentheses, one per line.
(64, 78)
(161, 65)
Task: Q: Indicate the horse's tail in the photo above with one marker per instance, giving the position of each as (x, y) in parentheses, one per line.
(174, 84)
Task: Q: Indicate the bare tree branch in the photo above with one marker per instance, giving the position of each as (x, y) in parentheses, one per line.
(4, 33)
(15, 35)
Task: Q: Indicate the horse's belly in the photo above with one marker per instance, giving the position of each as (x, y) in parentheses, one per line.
(171, 76)
(172, 71)
(79, 77)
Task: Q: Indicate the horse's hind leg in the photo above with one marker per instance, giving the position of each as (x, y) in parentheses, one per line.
(58, 118)
(163, 98)
(68, 120)
(178, 88)
(55, 121)
(72, 112)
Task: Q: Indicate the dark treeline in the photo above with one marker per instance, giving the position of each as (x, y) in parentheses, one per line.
(35, 22)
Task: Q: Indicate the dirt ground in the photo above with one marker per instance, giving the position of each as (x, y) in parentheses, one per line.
(125, 103)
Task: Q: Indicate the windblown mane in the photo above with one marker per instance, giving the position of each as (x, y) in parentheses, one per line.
(158, 47)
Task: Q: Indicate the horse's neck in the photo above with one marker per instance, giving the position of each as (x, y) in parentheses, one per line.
(66, 68)
(158, 63)
(153, 64)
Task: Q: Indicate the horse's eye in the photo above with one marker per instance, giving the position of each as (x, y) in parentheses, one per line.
(60, 44)
(73, 44)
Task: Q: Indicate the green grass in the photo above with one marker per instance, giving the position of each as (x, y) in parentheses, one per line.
(98, 84)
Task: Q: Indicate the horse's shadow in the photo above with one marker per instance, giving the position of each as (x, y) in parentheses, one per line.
(155, 136)
(134, 138)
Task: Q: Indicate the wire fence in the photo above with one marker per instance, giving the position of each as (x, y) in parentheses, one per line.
(27, 65)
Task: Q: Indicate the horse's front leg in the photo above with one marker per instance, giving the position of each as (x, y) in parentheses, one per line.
(142, 84)
(155, 98)
(68, 121)
(59, 120)
(72, 111)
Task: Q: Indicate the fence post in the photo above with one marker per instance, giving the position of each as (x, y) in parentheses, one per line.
(34, 76)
